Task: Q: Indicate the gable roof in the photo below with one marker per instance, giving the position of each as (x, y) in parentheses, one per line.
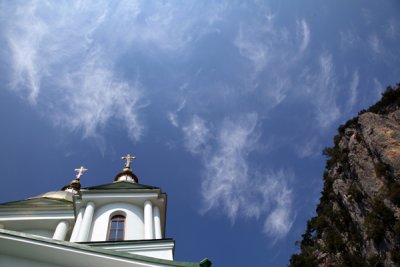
(120, 185)
(65, 197)
(39, 202)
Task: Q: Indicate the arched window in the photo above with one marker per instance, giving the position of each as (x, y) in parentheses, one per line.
(116, 228)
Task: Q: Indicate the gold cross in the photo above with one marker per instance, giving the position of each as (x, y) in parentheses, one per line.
(79, 172)
(128, 159)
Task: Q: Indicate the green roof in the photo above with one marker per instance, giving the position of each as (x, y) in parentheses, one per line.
(37, 202)
(62, 197)
(120, 185)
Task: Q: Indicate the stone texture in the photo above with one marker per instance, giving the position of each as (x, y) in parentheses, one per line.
(359, 198)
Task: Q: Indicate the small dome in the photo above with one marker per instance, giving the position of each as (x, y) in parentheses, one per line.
(126, 175)
(74, 187)
(62, 195)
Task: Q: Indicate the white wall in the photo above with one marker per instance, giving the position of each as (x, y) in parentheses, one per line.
(161, 254)
(134, 226)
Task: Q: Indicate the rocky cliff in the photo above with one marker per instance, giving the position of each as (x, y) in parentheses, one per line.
(357, 221)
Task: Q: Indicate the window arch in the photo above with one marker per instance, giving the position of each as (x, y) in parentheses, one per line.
(116, 228)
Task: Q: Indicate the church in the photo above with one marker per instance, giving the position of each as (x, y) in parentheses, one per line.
(118, 224)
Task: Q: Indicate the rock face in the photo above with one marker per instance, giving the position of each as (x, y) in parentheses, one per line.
(358, 217)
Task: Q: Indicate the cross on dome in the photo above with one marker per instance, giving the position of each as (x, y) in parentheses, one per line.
(80, 171)
(129, 158)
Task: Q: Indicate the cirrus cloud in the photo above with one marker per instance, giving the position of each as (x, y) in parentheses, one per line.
(231, 184)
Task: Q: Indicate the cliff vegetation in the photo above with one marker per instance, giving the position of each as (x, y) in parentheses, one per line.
(357, 220)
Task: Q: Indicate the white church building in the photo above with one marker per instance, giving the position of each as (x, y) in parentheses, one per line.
(117, 224)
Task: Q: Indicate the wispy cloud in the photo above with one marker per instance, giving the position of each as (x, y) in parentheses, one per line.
(249, 47)
(63, 61)
(375, 44)
(323, 87)
(280, 219)
(173, 116)
(263, 42)
(304, 33)
(94, 95)
(277, 91)
(196, 135)
(308, 148)
(379, 88)
(170, 27)
(226, 169)
(353, 90)
(24, 40)
(272, 51)
(392, 28)
(230, 184)
(67, 54)
(348, 39)
(173, 119)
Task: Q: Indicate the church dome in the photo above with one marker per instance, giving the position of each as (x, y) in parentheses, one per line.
(60, 195)
(75, 186)
(126, 175)
(68, 191)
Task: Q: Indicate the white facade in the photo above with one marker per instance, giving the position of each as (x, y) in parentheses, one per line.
(117, 224)
(134, 218)
(39, 216)
(85, 217)
(94, 211)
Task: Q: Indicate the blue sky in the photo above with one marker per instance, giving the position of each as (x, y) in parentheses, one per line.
(226, 105)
